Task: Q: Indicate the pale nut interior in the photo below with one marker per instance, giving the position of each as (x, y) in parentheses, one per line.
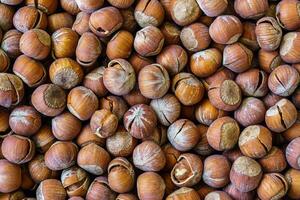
(246, 166)
(230, 93)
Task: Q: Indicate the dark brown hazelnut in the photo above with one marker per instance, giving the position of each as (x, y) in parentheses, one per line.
(248, 37)
(4, 122)
(11, 43)
(274, 161)
(4, 61)
(159, 135)
(171, 33)
(104, 123)
(172, 155)
(203, 148)
(129, 22)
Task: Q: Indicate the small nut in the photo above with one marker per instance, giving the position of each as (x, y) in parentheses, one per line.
(203, 148)
(292, 177)
(99, 189)
(11, 43)
(248, 37)
(59, 20)
(287, 14)
(290, 48)
(87, 136)
(150, 185)
(184, 12)
(252, 9)
(57, 191)
(213, 8)
(89, 6)
(171, 32)
(94, 81)
(104, 123)
(274, 161)
(115, 104)
(43, 139)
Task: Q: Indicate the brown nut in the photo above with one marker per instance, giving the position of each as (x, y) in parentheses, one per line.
(214, 175)
(292, 153)
(219, 76)
(82, 102)
(271, 99)
(292, 177)
(61, 155)
(28, 17)
(148, 41)
(7, 14)
(287, 14)
(187, 88)
(292, 132)
(25, 120)
(159, 135)
(187, 171)
(272, 186)
(223, 133)
(138, 62)
(4, 122)
(289, 48)
(43, 139)
(167, 109)
(230, 26)
(120, 46)
(274, 161)
(213, 8)
(237, 57)
(126, 143)
(47, 6)
(283, 80)
(121, 176)
(93, 158)
(87, 136)
(149, 12)
(19, 194)
(184, 193)
(99, 190)
(135, 97)
(150, 185)
(205, 63)
(255, 141)
(111, 21)
(127, 196)
(94, 81)
(51, 189)
(148, 156)
(170, 186)
(88, 49)
(49, 99)
(129, 23)
(32, 72)
(115, 104)
(225, 95)
(232, 154)
(171, 33)
(4, 61)
(81, 23)
(268, 60)
(89, 6)
(281, 116)
(204, 190)
(195, 37)
(245, 174)
(236, 194)
(11, 43)
(217, 195)
(17, 149)
(70, 6)
(121, 3)
(174, 58)
(183, 134)
(60, 20)
(248, 37)
(252, 9)
(65, 73)
(295, 98)
(172, 155)
(203, 148)
(104, 123)
(10, 176)
(184, 12)
(153, 81)
(119, 77)
(75, 181)
(251, 111)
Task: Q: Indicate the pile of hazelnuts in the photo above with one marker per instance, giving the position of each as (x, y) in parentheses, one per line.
(149, 99)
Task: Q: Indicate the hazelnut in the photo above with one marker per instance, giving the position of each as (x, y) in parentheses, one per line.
(111, 21)
(205, 63)
(65, 73)
(88, 49)
(93, 158)
(219, 76)
(19, 194)
(255, 141)
(292, 177)
(171, 33)
(295, 98)
(4, 122)
(4, 60)
(153, 81)
(89, 6)
(292, 132)
(70, 6)
(237, 57)
(170, 186)
(25, 120)
(226, 29)
(87, 136)
(60, 20)
(292, 153)
(274, 161)
(81, 23)
(272, 186)
(195, 37)
(119, 77)
(204, 190)
(129, 23)
(135, 97)
(120, 45)
(172, 155)
(184, 12)
(104, 123)
(150, 185)
(213, 8)
(174, 59)
(115, 104)
(149, 12)
(214, 175)
(203, 148)
(271, 99)
(148, 41)
(51, 189)
(245, 174)
(253, 9)
(217, 195)
(167, 109)
(204, 19)
(159, 135)
(121, 175)
(65, 126)
(11, 43)
(127, 196)
(187, 88)
(17, 149)
(184, 193)
(10, 176)
(35, 43)
(94, 81)
(82, 102)
(223, 133)
(75, 181)
(232, 154)
(32, 72)
(268, 33)
(236, 194)
(281, 116)
(47, 6)
(99, 190)
(43, 139)
(49, 99)
(225, 95)
(148, 156)
(289, 48)
(61, 155)
(64, 42)
(7, 14)
(283, 80)
(248, 37)
(287, 14)
(121, 4)
(138, 62)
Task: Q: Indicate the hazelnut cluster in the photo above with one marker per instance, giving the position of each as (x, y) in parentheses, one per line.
(149, 99)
